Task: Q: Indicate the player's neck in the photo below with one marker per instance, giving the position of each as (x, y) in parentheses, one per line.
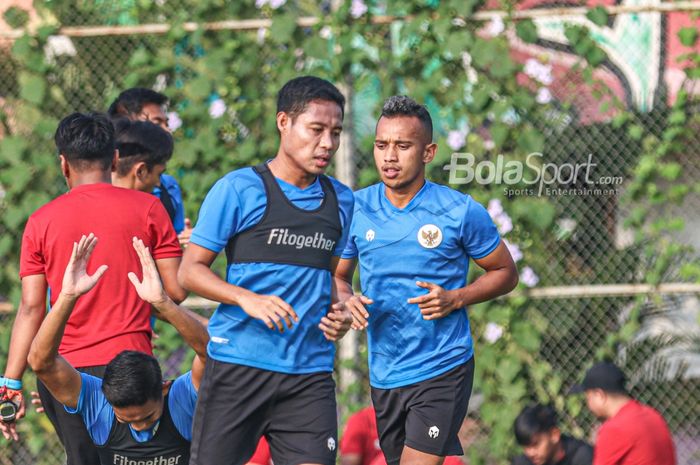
(88, 177)
(400, 197)
(288, 172)
(126, 182)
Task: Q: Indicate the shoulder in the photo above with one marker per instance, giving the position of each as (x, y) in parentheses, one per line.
(367, 199)
(577, 448)
(241, 179)
(343, 192)
(521, 460)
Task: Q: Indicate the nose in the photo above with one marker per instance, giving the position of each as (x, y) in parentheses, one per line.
(391, 154)
(326, 140)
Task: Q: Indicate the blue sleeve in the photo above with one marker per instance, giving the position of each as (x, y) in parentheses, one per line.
(181, 402)
(346, 203)
(219, 217)
(479, 234)
(171, 184)
(350, 250)
(97, 414)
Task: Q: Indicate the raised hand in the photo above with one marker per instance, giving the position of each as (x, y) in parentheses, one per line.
(76, 280)
(438, 303)
(272, 310)
(150, 288)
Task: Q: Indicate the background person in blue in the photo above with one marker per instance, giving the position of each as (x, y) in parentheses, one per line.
(129, 414)
(414, 240)
(140, 104)
(283, 225)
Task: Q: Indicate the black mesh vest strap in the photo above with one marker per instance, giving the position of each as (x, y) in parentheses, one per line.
(287, 234)
(167, 447)
(167, 202)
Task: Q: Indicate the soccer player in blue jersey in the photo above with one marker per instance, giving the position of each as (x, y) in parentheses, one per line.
(130, 415)
(414, 239)
(283, 225)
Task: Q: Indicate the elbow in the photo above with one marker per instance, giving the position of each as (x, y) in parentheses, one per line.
(178, 294)
(513, 279)
(38, 363)
(183, 277)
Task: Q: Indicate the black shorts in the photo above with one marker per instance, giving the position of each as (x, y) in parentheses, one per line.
(238, 404)
(425, 416)
(70, 428)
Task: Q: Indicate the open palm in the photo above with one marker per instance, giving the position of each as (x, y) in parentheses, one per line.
(151, 288)
(76, 280)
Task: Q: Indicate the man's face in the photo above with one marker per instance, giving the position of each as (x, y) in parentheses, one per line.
(140, 417)
(595, 399)
(155, 114)
(147, 180)
(543, 448)
(313, 137)
(401, 150)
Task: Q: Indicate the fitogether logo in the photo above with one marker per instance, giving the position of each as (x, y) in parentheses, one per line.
(541, 178)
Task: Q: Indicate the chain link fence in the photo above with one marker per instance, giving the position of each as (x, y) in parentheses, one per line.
(589, 247)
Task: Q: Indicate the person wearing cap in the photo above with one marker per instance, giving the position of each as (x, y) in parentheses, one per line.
(543, 443)
(632, 433)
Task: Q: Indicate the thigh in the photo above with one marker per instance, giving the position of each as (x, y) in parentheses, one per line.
(436, 410)
(70, 428)
(391, 422)
(303, 425)
(231, 414)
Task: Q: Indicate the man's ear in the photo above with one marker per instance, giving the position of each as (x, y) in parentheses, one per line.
(283, 121)
(140, 169)
(65, 167)
(429, 153)
(555, 435)
(115, 161)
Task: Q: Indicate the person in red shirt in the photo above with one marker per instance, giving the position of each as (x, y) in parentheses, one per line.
(262, 454)
(632, 433)
(112, 318)
(360, 442)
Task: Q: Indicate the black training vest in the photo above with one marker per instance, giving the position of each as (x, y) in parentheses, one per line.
(287, 234)
(167, 447)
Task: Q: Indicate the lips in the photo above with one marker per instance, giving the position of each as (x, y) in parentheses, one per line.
(390, 172)
(322, 161)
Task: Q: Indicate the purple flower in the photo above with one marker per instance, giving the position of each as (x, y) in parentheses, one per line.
(495, 26)
(493, 332)
(260, 3)
(457, 139)
(358, 8)
(514, 251)
(174, 121)
(325, 33)
(495, 208)
(217, 108)
(504, 223)
(528, 277)
(277, 3)
(539, 71)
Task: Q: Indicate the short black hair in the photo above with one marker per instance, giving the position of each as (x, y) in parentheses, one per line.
(131, 101)
(295, 95)
(131, 379)
(86, 140)
(534, 419)
(402, 105)
(141, 141)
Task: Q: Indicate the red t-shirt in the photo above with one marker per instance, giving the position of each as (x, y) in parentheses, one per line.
(111, 317)
(262, 454)
(636, 435)
(360, 436)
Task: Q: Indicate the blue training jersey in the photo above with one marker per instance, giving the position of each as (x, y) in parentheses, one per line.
(431, 239)
(234, 204)
(98, 415)
(170, 184)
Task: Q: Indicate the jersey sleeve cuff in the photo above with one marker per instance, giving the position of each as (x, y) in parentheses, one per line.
(487, 250)
(206, 243)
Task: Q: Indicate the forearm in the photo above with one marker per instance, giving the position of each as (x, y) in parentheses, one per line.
(201, 280)
(191, 326)
(342, 289)
(492, 284)
(44, 350)
(24, 329)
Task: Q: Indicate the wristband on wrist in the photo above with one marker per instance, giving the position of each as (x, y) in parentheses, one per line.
(2, 381)
(15, 384)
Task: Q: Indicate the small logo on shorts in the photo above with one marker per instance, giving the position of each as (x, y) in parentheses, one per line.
(370, 235)
(331, 444)
(434, 432)
(429, 236)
